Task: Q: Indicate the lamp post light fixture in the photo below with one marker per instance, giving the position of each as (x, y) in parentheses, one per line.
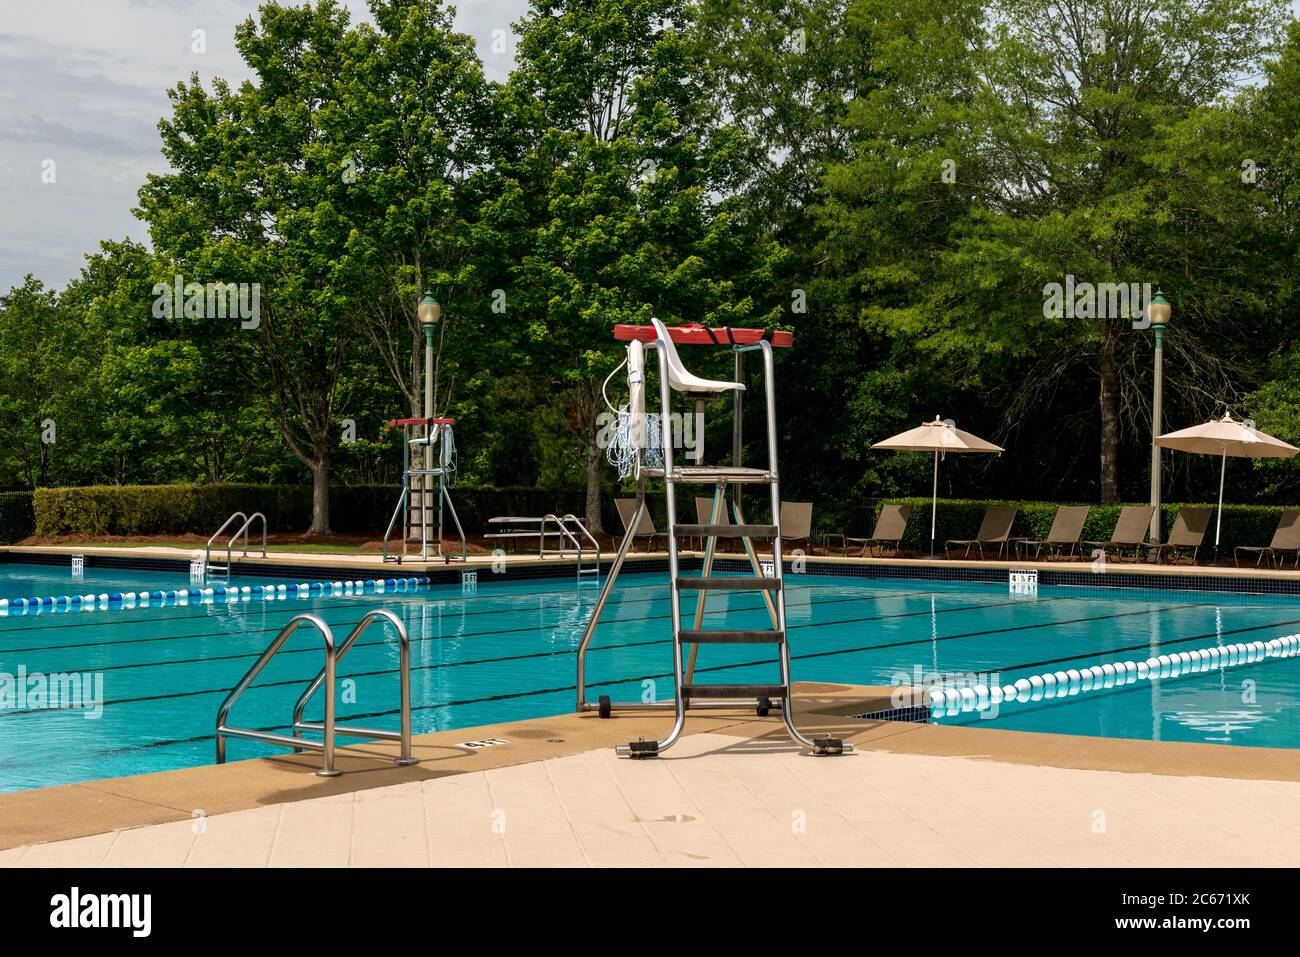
(1158, 311)
(430, 314)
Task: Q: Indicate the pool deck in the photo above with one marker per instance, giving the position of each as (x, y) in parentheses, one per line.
(735, 791)
(1111, 573)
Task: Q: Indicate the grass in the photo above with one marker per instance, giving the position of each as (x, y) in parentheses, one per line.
(314, 545)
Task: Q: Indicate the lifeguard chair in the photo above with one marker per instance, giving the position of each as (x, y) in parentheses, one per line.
(428, 464)
(649, 459)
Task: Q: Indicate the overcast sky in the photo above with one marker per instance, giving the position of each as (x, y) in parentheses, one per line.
(83, 83)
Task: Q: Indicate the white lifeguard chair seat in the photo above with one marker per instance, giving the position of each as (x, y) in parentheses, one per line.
(681, 380)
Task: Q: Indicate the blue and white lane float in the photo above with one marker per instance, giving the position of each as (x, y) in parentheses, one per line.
(108, 601)
(1066, 684)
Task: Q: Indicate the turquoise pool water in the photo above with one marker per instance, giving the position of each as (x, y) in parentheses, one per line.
(507, 652)
(44, 581)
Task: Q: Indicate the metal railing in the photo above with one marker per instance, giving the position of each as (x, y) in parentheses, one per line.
(230, 545)
(328, 727)
(562, 525)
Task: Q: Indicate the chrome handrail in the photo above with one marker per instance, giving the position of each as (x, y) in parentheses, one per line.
(230, 545)
(327, 675)
(404, 678)
(243, 530)
(595, 545)
(207, 551)
(326, 746)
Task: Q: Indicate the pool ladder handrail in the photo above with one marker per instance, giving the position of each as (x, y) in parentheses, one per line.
(230, 545)
(327, 675)
(562, 523)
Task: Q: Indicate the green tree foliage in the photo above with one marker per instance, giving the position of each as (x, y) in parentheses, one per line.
(897, 183)
(628, 179)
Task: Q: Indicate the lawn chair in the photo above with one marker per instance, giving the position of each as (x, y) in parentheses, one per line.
(891, 525)
(1130, 530)
(703, 514)
(1188, 532)
(645, 529)
(1286, 538)
(1067, 528)
(994, 530)
(796, 522)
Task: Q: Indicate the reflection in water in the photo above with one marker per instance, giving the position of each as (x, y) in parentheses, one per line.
(1217, 726)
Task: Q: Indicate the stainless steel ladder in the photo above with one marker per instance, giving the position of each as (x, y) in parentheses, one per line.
(686, 691)
(416, 506)
(562, 522)
(208, 567)
(327, 728)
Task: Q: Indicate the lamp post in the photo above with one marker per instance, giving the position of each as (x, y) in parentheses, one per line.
(1158, 314)
(430, 313)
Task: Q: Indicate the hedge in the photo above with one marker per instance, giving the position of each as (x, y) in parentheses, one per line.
(17, 518)
(960, 518)
(127, 510)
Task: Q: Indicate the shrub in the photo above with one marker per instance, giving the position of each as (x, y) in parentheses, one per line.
(17, 517)
(960, 518)
(97, 511)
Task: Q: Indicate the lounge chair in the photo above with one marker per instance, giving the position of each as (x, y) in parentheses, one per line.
(796, 522)
(1286, 538)
(645, 529)
(704, 511)
(891, 526)
(1067, 528)
(1188, 531)
(1130, 529)
(994, 530)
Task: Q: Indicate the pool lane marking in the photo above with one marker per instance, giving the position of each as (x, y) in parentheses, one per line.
(248, 601)
(613, 682)
(391, 598)
(296, 681)
(497, 631)
(567, 651)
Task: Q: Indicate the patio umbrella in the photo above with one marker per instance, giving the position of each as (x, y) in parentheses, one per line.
(940, 437)
(1224, 437)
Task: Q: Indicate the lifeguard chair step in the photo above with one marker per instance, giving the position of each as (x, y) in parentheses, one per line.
(712, 474)
(725, 531)
(734, 691)
(721, 636)
(753, 583)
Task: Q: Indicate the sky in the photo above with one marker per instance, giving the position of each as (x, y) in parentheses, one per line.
(82, 86)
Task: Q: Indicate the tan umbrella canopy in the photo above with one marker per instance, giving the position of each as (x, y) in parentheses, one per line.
(940, 437)
(1224, 437)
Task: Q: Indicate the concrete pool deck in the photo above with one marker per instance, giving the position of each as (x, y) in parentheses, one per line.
(1111, 573)
(735, 791)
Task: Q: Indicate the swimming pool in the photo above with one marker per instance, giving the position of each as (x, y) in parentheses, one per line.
(507, 652)
(22, 580)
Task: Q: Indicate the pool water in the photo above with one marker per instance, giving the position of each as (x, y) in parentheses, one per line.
(45, 581)
(508, 652)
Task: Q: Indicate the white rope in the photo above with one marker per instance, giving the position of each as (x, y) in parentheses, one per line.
(637, 436)
(622, 450)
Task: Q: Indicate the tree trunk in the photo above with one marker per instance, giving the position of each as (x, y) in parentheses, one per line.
(595, 467)
(1109, 398)
(320, 496)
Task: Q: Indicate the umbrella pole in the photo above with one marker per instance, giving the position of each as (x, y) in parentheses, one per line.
(1218, 516)
(934, 502)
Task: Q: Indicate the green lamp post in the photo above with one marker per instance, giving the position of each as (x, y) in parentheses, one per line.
(430, 314)
(1158, 311)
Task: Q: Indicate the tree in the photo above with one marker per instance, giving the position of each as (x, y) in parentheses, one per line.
(628, 180)
(1064, 129)
(257, 196)
(35, 334)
